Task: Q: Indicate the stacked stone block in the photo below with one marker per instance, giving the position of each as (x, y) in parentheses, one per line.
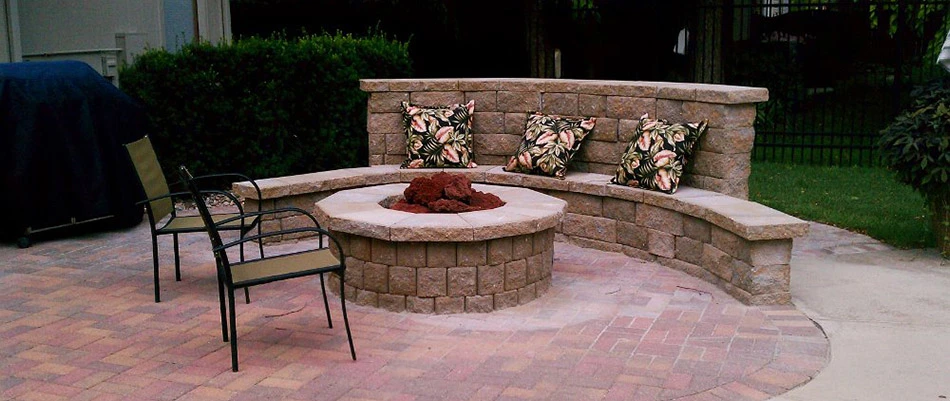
(446, 277)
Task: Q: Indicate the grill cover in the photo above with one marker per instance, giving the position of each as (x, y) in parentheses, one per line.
(62, 127)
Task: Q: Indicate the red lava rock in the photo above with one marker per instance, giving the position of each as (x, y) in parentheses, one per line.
(444, 193)
(404, 206)
(485, 201)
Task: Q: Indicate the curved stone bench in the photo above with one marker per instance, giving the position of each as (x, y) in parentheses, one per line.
(741, 246)
(707, 229)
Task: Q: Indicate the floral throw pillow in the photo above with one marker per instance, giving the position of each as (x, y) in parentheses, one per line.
(439, 136)
(657, 154)
(549, 144)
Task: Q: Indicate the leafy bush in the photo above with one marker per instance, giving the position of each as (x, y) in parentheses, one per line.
(265, 107)
(917, 146)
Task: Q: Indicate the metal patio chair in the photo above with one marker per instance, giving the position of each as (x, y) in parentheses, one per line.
(162, 217)
(265, 270)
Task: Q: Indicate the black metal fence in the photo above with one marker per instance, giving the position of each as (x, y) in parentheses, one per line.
(837, 72)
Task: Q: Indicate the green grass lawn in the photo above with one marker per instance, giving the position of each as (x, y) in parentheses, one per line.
(867, 200)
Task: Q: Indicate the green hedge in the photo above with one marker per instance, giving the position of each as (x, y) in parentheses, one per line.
(264, 107)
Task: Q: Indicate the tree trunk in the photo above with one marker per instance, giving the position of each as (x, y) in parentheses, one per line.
(940, 222)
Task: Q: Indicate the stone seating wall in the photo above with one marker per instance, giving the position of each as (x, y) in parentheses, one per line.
(707, 229)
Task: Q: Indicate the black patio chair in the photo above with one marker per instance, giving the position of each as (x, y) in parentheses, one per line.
(159, 204)
(246, 274)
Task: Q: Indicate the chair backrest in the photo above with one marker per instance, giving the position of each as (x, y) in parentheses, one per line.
(151, 177)
(220, 256)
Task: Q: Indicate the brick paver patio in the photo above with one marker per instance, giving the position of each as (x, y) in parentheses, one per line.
(77, 322)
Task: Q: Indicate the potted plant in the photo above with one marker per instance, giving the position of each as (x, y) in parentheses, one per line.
(917, 146)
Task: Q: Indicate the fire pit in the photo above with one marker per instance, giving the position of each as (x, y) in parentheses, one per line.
(443, 263)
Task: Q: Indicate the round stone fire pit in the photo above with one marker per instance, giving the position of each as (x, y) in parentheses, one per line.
(443, 263)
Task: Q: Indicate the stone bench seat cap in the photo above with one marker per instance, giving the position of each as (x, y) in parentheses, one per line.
(749, 220)
(358, 211)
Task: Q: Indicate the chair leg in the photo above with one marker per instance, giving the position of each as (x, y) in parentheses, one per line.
(224, 316)
(247, 296)
(177, 259)
(346, 321)
(326, 304)
(155, 267)
(234, 350)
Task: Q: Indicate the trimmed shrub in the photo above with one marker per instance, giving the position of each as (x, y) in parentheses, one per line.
(264, 107)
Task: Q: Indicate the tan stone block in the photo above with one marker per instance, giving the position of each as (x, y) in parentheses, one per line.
(774, 252)
(499, 250)
(527, 294)
(596, 244)
(660, 219)
(720, 115)
(441, 254)
(480, 84)
(519, 101)
(491, 279)
(506, 299)
(522, 246)
(376, 160)
(472, 253)
(638, 253)
(498, 176)
(589, 205)
(515, 274)
(462, 281)
(727, 141)
(402, 280)
(515, 123)
(383, 252)
(632, 235)
(420, 305)
(349, 290)
(731, 94)
(392, 302)
(447, 305)
(534, 266)
(630, 107)
(696, 229)
(437, 99)
(685, 267)
(354, 272)
(564, 104)
(598, 228)
(406, 85)
(431, 282)
(543, 241)
(660, 243)
(626, 130)
(377, 144)
(761, 279)
(479, 303)
(484, 100)
(384, 123)
(689, 250)
(386, 102)
(621, 210)
(717, 262)
(778, 298)
(560, 85)
(376, 277)
(374, 85)
(488, 122)
(396, 144)
(496, 144)
(730, 243)
(360, 248)
(605, 129)
(412, 254)
(670, 110)
(676, 91)
(394, 158)
(491, 160)
(367, 298)
(719, 165)
(591, 105)
(542, 286)
(617, 88)
(601, 152)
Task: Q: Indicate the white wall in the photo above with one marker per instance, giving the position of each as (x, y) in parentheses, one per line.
(49, 26)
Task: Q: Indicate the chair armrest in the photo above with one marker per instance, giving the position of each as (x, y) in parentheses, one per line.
(283, 232)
